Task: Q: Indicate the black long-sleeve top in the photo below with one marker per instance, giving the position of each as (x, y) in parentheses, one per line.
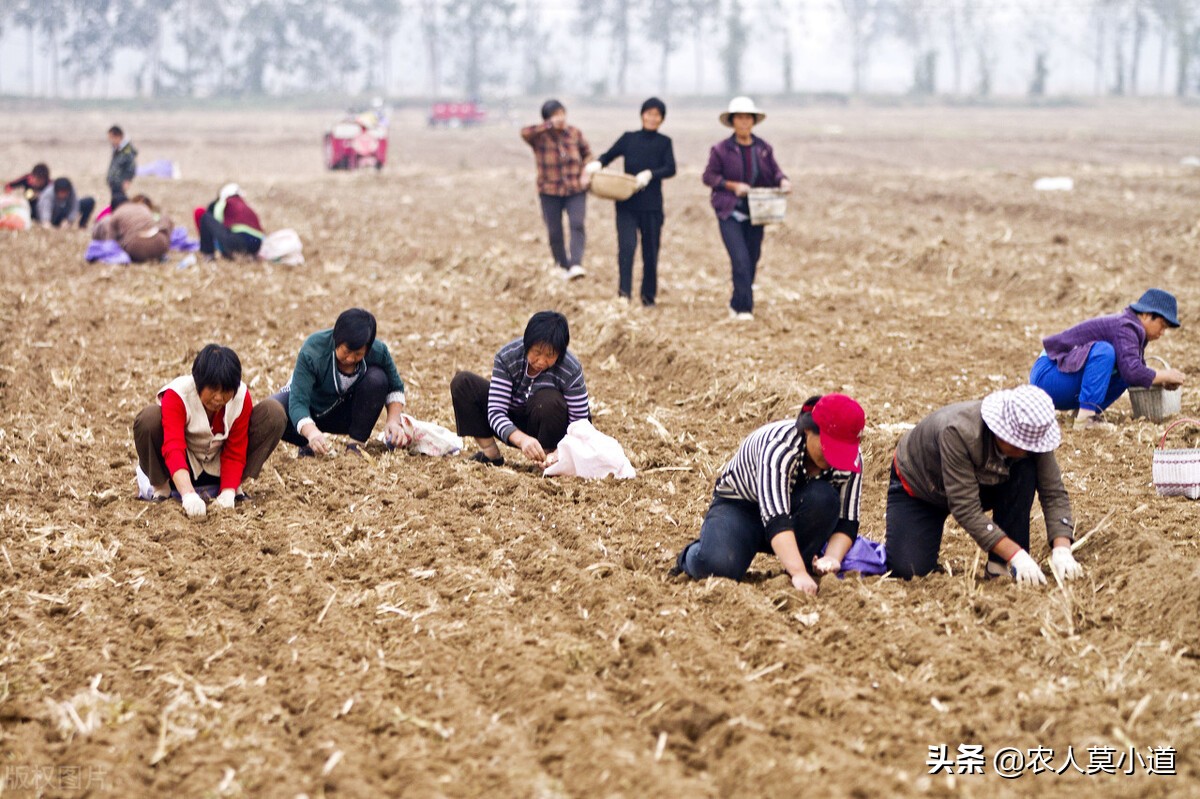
(644, 149)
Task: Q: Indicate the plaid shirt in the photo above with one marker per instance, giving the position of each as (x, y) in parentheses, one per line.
(560, 156)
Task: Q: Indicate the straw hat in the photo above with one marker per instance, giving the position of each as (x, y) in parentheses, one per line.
(741, 105)
(1024, 417)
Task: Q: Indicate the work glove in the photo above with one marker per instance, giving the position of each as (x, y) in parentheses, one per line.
(804, 584)
(225, 499)
(1025, 570)
(1064, 563)
(643, 178)
(317, 441)
(193, 506)
(592, 168)
(826, 565)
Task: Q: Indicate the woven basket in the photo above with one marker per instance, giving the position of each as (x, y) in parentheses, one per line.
(613, 185)
(1155, 403)
(767, 206)
(1176, 472)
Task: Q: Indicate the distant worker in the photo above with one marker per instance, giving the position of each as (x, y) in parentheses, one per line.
(61, 206)
(138, 227)
(228, 224)
(560, 151)
(32, 187)
(122, 168)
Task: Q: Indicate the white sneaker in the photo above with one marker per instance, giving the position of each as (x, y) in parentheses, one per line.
(741, 316)
(574, 273)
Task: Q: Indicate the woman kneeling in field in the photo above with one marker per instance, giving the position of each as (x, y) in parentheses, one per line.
(792, 488)
(1087, 367)
(536, 390)
(961, 460)
(204, 431)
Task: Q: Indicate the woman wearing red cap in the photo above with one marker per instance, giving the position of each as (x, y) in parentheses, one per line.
(791, 488)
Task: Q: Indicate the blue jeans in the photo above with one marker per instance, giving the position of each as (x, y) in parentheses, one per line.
(1094, 387)
(743, 242)
(733, 533)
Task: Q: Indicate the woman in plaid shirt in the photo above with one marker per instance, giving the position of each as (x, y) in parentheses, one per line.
(560, 151)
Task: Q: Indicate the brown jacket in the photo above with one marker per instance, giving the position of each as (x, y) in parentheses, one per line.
(130, 222)
(951, 453)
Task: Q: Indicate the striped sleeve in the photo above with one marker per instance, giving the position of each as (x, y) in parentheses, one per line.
(500, 400)
(778, 461)
(851, 496)
(576, 395)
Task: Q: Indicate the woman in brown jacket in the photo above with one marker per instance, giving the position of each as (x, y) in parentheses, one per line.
(137, 226)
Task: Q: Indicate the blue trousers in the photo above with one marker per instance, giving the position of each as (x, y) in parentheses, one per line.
(733, 533)
(743, 242)
(1094, 387)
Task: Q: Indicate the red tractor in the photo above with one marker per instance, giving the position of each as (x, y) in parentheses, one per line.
(457, 115)
(357, 141)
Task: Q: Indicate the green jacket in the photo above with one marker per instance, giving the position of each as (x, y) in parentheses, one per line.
(123, 166)
(314, 386)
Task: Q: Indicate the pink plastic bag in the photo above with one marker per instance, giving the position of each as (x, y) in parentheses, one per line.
(588, 453)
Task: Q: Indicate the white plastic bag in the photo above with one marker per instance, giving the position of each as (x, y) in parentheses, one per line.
(427, 438)
(282, 247)
(588, 453)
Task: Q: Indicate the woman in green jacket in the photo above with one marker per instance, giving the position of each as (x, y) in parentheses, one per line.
(343, 378)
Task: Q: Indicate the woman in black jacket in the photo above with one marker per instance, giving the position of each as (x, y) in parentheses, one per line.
(649, 156)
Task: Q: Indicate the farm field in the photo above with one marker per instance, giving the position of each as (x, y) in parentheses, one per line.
(407, 626)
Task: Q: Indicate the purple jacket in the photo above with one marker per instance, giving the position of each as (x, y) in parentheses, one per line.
(725, 163)
(1069, 349)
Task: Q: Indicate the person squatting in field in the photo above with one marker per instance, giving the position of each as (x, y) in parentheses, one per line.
(204, 431)
(344, 376)
(971, 457)
(649, 156)
(560, 151)
(137, 226)
(792, 488)
(536, 390)
(228, 224)
(735, 165)
(1089, 366)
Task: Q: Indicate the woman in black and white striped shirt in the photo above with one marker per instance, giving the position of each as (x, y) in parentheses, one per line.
(536, 390)
(792, 488)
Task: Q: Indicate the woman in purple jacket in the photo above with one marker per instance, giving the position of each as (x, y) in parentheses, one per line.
(1087, 367)
(735, 165)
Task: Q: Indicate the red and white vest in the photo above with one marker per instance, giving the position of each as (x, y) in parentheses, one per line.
(203, 446)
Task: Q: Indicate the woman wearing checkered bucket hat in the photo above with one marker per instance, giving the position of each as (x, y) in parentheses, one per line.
(967, 458)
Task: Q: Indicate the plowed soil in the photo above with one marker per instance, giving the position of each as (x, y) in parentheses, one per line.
(408, 626)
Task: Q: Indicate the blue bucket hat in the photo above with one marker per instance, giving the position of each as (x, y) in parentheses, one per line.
(1159, 302)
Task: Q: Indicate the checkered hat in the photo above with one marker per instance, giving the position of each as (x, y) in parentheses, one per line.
(1024, 417)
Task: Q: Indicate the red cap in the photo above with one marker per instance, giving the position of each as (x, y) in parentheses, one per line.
(841, 421)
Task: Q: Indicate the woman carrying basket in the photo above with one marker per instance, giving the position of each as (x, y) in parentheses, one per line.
(649, 156)
(735, 165)
(1087, 367)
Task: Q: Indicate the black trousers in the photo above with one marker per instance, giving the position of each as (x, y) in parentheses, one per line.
(914, 527)
(214, 234)
(743, 242)
(354, 416)
(545, 416)
(629, 224)
(733, 533)
(575, 207)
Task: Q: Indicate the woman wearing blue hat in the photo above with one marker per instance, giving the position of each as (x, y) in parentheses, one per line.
(1087, 367)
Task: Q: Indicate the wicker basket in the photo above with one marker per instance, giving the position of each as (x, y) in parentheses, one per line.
(1176, 472)
(1155, 403)
(767, 206)
(613, 185)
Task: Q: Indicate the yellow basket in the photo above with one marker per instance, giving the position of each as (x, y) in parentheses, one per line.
(613, 185)
(767, 206)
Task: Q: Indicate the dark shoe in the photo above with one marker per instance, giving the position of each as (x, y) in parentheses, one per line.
(353, 449)
(677, 569)
(305, 452)
(479, 457)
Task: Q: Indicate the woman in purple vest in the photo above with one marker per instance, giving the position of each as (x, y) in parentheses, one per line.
(735, 165)
(1087, 367)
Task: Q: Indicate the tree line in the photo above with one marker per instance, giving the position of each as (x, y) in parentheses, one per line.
(190, 48)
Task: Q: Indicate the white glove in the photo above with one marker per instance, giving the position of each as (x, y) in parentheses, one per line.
(225, 499)
(592, 168)
(193, 506)
(826, 565)
(1025, 570)
(643, 178)
(1064, 563)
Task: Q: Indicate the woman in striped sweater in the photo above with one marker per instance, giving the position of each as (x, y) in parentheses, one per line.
(536, 390)
(792, 488)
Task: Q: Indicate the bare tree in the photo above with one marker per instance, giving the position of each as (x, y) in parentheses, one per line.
(912, 22)
(736, 41)
(1139, 35)
(779, 19)
(664, 22)
(431, 31)
(978, 22)
(952, 19)
(702, 14)
(381, 19)
(478, 21)
(866, 19)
